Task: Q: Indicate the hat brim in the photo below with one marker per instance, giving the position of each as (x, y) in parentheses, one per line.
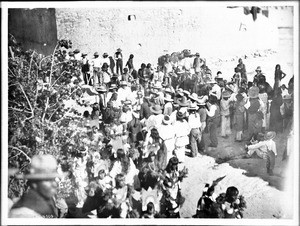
(182, 104)
(170, 100)
(191, 97)
(155, 112)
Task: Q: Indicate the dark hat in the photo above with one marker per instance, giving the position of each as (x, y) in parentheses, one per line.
(258, 69)
(239, 97)
(174, 161)
(166, 120)
(96, 54)
(105, 54)
(71, 53)
(113, 86)
(156, 109)
(84, 54)
(197, 54)
(76, 51)
(119, 50)
(42, 167)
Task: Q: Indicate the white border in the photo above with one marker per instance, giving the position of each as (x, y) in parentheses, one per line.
(128, 4)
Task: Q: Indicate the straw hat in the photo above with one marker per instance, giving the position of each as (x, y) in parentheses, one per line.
(193, 106)
(42, 167)
(180, 115)
(258, 69)
(202, 100)
(226, 94)
(113, 86)
(168, 98)
(101, 89)
(253, 92)
(194, 96)
(183, 102)
(156, 109)
(186, 92)
(123, 83)
(270, 135)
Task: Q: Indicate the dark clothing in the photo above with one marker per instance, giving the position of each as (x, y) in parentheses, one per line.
(134, 127)
(275, 115)
(145, 111)
(129, 64)
(270, 161)
(33, 200)
(119, 62)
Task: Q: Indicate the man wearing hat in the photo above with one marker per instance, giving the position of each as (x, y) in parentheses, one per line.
(225, 114)
(167, 134)
(156, 118)
(77, 55)
(202, 112)
(105, 59)
(134, 126)
(195, 125)
(123, 91)
(39, 201)
(259, 76)
(105, 75)
(119, 61)
(96, 64)
(85, 69)
(197, 67)
(255, 116)
(145, 108)
(168, 107)
(265, 149)
(182, 132)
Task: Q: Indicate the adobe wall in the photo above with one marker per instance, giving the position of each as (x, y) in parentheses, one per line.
(212, 31)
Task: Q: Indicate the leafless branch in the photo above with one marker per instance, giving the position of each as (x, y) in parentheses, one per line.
(20, 110)
(17, 149)
(32, 111)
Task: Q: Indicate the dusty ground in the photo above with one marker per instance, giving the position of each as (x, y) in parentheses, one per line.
(265, 195)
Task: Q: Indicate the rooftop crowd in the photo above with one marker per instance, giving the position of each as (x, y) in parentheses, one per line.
(141, 125)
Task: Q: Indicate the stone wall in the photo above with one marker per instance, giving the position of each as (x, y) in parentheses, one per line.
(212, 31)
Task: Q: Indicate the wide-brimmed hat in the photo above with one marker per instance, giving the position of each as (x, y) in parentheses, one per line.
(270, 135)
(157, 86)
(166, 120)
(180, 91)
(113, 86)
(71, 53)
(202, 100)
(174, 161)
(42, 167)
(168, 97)
(76, 51)
(258, 68)
(197, 54)
(123, 83)
(100, 89)
(183, 102)
(211, 81)
(168, 90)
(105, 54)
(226, 94)
(253, 92)
(156, 109)
(193, 106)
(186, 92)
(96, 54)
(83, 54)
(119, 50)
(194, 96)
(127, 102)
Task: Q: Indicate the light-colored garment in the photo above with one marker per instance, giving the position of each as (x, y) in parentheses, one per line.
(97, 62)
(182, 131)
(266, 145)
(129, 177)
(154, 121)
(194, 121)
(211, 111)
(216, 89)
(167, 134)
(168, 108)
(23, 212)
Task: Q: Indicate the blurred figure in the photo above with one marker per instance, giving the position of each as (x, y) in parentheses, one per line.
(38, 201)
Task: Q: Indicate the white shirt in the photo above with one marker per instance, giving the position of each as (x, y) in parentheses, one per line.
(194, 121)
(97, 62)
(211, 111)
(217, 89)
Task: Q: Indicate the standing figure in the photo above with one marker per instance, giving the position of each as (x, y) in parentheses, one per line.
(239, 111)
(129, 63)
(225, 114)
(96, 64)
(279, 75)
(119, 61)
(213, 120)
(85, 69)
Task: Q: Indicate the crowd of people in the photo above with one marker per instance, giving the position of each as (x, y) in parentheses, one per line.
(142, 124)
